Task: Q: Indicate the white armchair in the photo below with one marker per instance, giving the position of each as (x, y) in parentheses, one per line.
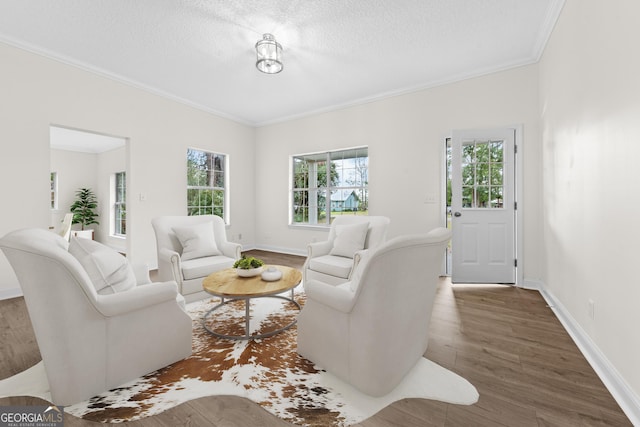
(65, 228)
(372, 330)
(190, 248)
(98, 323)
(334, 260)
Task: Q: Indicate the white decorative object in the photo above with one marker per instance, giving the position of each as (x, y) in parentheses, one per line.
(271, 274)
(248, 272)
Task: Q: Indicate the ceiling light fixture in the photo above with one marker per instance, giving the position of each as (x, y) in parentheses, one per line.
(269, 55)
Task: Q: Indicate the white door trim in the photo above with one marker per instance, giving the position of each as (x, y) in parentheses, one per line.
(519, 227)
(519, 131)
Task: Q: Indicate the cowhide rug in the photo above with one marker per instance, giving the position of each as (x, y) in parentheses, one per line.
(268, 372)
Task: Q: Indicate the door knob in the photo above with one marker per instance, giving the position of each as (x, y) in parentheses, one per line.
(457, 214)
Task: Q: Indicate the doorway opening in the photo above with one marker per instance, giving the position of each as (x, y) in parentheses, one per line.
(88, 160)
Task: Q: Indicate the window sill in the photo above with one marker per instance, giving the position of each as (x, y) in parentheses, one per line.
(309, 227)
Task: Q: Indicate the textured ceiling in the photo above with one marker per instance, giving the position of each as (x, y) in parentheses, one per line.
(336, 52)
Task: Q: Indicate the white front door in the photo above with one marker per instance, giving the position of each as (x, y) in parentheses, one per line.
(483, 206)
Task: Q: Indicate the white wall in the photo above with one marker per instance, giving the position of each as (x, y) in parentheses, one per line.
(590, 106)
(37, 92)
(405, 135)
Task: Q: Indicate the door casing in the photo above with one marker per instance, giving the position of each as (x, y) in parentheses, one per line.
(518, 176)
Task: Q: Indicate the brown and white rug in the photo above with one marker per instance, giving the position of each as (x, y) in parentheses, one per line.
(268, 372)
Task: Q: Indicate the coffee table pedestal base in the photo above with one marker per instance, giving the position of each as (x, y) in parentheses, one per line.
(247, 304)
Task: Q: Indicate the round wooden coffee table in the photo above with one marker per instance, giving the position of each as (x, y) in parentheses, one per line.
(228, 286)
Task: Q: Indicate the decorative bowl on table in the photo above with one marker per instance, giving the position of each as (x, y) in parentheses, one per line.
(248, 272)
(248, 266)
(271, 274)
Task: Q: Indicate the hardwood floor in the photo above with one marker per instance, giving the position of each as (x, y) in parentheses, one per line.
(504, 340)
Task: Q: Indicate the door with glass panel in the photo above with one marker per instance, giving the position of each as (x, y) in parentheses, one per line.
(483, 206)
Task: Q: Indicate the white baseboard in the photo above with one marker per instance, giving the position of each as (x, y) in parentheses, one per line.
(615, 383)
(246, 247)
(10, 293)
(531, 284)
(281, 250)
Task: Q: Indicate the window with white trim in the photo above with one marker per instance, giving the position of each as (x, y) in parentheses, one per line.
(54, 190)
(120, 204)
(206, 183)
(328, 184)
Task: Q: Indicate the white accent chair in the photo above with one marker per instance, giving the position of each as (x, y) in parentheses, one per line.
(207, 256)
(371, 331)
(332, 262)
(92, 342)
(65, 229)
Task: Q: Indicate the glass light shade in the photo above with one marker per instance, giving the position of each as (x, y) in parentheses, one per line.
(269, 55)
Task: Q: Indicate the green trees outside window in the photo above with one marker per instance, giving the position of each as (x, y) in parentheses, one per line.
(206, 183)
(329, 184)
(120, 204)
(482, 172)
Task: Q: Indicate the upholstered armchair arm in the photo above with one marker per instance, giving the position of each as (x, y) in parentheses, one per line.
(136, 299)
(339, 298)
(141, 271)
(319, 248)
(169, 261)
(357, 258)
(232, 250)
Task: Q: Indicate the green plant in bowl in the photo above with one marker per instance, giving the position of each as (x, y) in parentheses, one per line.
(247, 263)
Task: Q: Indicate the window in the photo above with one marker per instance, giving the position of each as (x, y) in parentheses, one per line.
(54, 190)
(482, 169)
(334, 182)
(206, 183)
(120, 205)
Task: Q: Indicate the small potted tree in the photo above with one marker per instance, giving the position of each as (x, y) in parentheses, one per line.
(84, 212)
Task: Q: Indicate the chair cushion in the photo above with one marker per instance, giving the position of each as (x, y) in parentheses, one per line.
(197, 241)
(332, 265)
(108, 270)
(202, 267)
(349, 239)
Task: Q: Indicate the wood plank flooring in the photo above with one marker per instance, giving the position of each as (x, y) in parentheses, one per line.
(504, 340)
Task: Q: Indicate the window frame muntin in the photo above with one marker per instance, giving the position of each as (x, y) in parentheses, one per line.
(117, 204)
(54, 191)
(327, 189)
(225, 190)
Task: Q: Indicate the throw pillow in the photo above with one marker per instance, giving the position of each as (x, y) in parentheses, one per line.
(349, 239)
(108, 270)
(197, 241)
